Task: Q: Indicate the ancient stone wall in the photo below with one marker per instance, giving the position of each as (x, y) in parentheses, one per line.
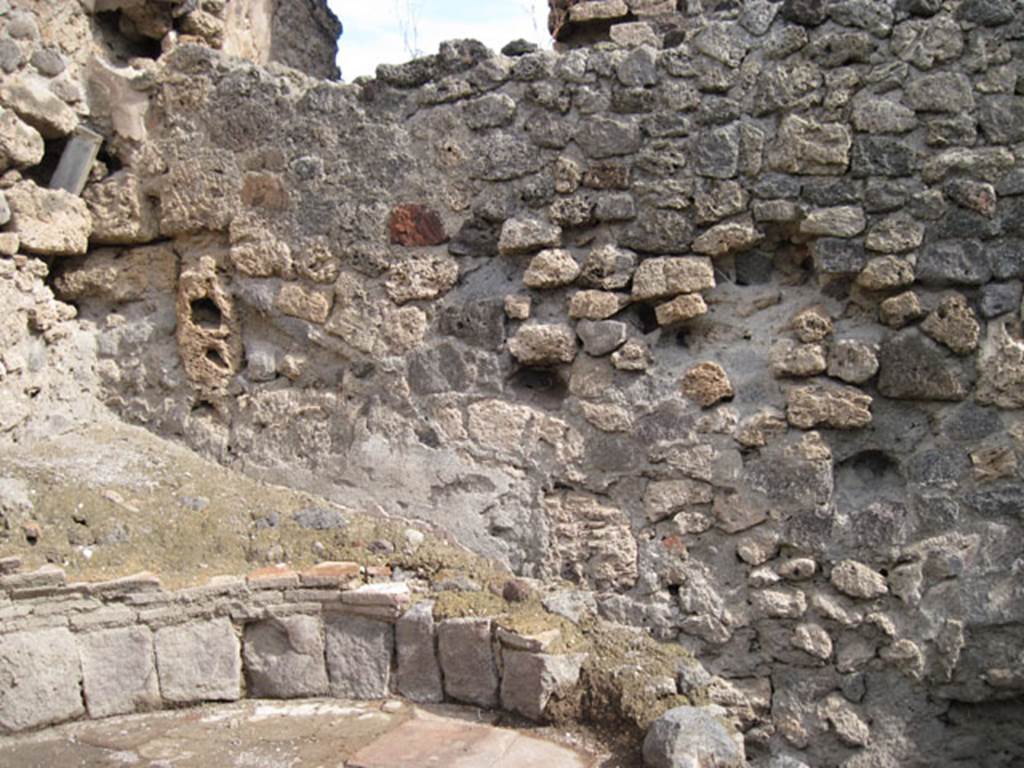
(97, 649)
(118, 647)
(718, 319)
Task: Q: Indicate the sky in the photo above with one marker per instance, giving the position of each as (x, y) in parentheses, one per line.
(385, 31)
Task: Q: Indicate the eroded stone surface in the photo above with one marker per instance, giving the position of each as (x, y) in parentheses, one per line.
(358, 656)
(119, 673)
(199, 661)
(43, 677)
(284, 658)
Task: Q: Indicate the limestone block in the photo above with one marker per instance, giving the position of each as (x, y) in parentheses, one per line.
(284, 658)
(633, 356)
(804, 146)
(467, 661)
(122, 214)
(49, 222)
(529, 680)
(30, 97)
(608, 267)
(119, 671)
(20, 144)
(308, 304)
(830, 406)
(551, 268)
(855, 362)
(886, 272)
(954, 325)
(358, 656)
(119, 276)
(667, 497)
(728, 237)
(665, 277)
(419, 673)
(1001, 367)
(789, 358)
(596, 305)
(524, 236)
(199, 661)
(41, 676)
(114, 96)
(543, 344)
(706, 384)
(858, 580)
(592, 541)
(422, 278)
(200, 193)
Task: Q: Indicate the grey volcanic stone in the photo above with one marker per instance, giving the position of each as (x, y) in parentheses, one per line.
(1002, 119)
(809, 13)
(419, 674)
(883, 156)
(717, 152)
(953, 262)
(358, 656)
(942, 92)
(1007, 259)
(284, 658)
(601, 137)
(988, 13)
(659, 231)
(693, 737)
(467, 660)
(601, 337)
(41, 677)
(838, 256)
(999, 298)
(914, 367)
(529, 680)
(119, 671)
(199, 661)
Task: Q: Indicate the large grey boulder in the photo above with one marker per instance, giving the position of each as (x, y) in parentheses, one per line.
(40, 677)
(284, 658)
(199, 661)
(119, 671)
(530, 680)
(467, 660)
(358, 657)
(419, 674)
(693, 737)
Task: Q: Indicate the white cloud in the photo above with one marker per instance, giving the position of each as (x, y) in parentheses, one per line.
(375, 33)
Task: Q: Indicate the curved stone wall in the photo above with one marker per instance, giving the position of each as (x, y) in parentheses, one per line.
(719, 320)
(112, 648)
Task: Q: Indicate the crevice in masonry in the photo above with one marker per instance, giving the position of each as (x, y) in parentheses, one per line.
(43, 172)
(116, 32)
(542, 387)
(206, 314)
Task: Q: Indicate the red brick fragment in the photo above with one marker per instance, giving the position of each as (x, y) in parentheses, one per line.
(416, 225)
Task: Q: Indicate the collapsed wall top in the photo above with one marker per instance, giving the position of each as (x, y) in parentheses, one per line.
(298, 33)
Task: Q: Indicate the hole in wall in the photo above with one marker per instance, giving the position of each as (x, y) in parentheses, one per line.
(42, 173)
(647, 320)
(215, 357)
(544, 387)
(203, 407)
(125, 43)
(869, 474)
(206, 314)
